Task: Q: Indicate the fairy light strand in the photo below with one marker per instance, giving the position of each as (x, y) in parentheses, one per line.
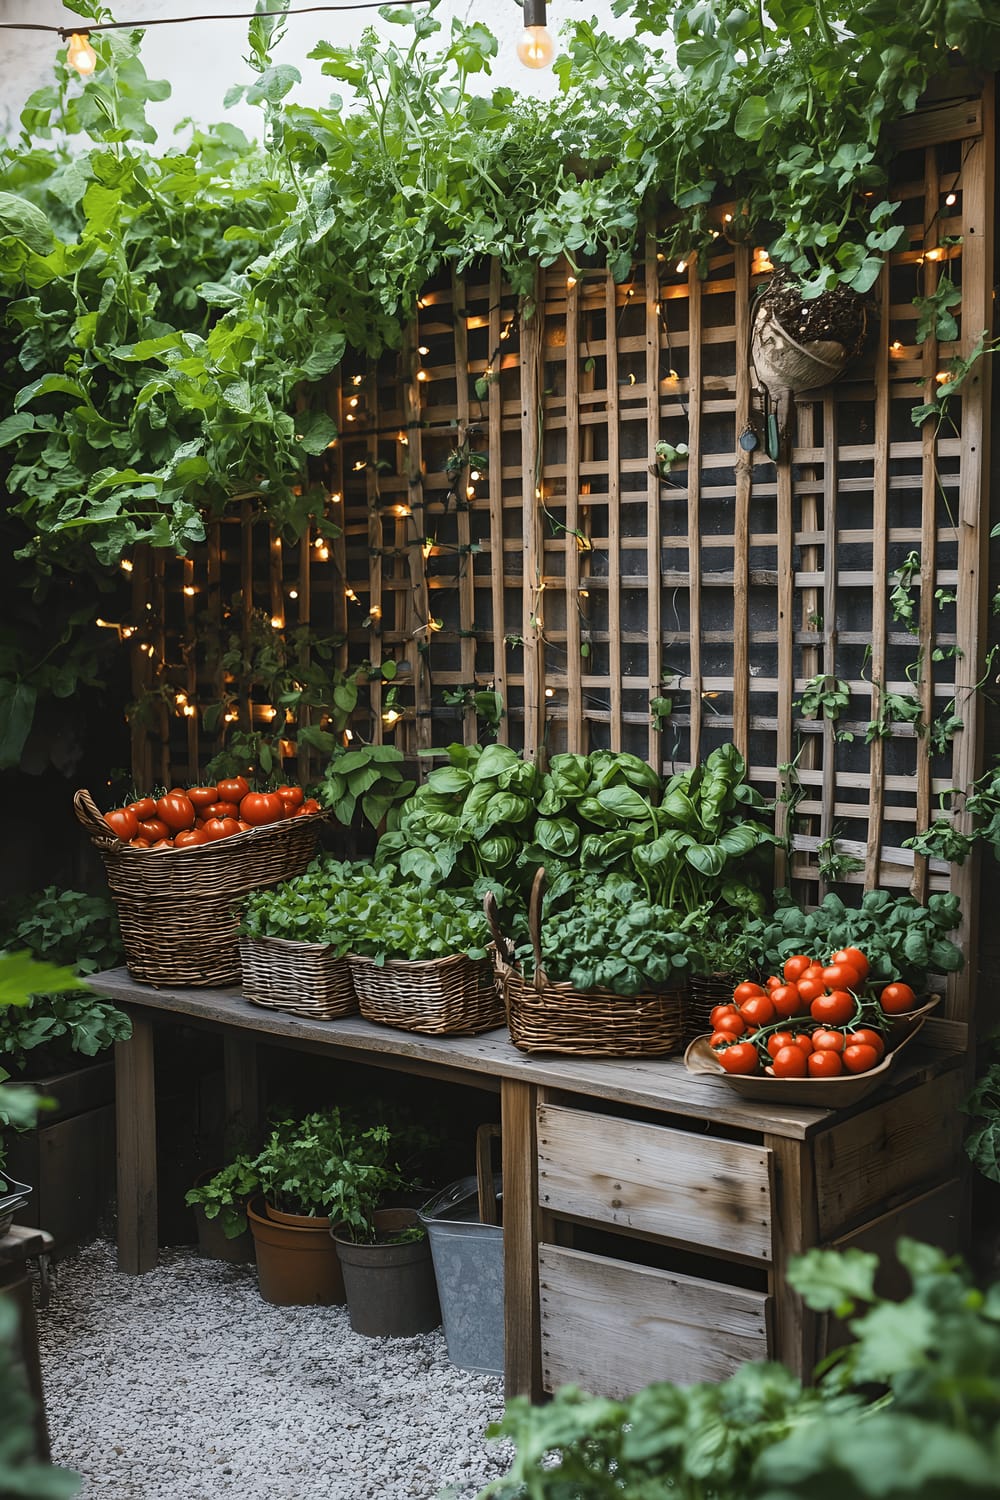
(83, 27)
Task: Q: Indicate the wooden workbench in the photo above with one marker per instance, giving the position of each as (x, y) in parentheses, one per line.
(705, 1194)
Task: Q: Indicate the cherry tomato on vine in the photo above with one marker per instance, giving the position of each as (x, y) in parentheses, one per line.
(897, 999)
(733, 1025)
(842, 977)
(865, 1035)
(795, 967)
(854, 957)
(790, 1062)
(825, 1063)
(176, 811)
(758, 1010)
(234, 789)
(718, 1011)
(824, 1040)
(739, 1058)
(720, 1039)
(746, 991)
(810, 989)
(860, 1059)
(773, 982)
(835, 1009)
(787, 1000)
(259, 808)
(123, 823)
(779, 1039)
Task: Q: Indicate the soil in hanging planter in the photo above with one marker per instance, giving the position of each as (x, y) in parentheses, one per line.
(838, 315)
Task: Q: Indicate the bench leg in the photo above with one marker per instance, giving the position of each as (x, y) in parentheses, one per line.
(522, 1340)
(135, 1112)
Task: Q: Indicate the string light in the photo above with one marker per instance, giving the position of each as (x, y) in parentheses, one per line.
(335, 499)
(126, 565)
(319, 544)
(936, 254)
(550, 692)
(942, 377)
(402, 510)
(350, 594)
(180, 699)
(190, 590)
(375, 613)
(470, 492)
(80, 54)
(895, 347)
(230, 717)
(475, 474)
(357, 379)
(293, 593)
(536, 49)
(189, 710)
(391, 716)
(323, 553)
(951, 200)
(423, 349)
(571, 281)
(681, 267)
(422, 375)
(277, 622)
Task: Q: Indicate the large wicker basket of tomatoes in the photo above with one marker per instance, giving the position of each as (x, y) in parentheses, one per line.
(176, 864)
(820, 1034)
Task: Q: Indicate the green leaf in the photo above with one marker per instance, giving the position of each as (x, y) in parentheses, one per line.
(315, 431)
(831, 1280)
(21, 220)
(17, 712)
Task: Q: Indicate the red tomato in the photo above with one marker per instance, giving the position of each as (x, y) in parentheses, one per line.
(740, 1058)
(140, 844)
(203, 796)
(897, 999)
(718, 1011)
(787, 1001)
(221, 810)
(293, 795)
(123, 822)
(310, 805)
(758, 1010)
(825, 1063)
(234, 789)
(145, 808)
(746, 991)
(854, 957)
(790, 1062)
(773, 982)
(219, 828)
(860, 1059)
(176, 811)
(779, 1039)
(810, 989)
(163, 844)
(733, 1025)
(864, 1035)
(259, 808)
(842, 977)
(153, 829)
(795, 967)
(835, 1009)
(243, 827)
(189, 836)
(719, 1039)
(828, 1041)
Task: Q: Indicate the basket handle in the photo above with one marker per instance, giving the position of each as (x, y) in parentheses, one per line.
(535, 926)
(485, 1136)
(89, 815)
(503, 946)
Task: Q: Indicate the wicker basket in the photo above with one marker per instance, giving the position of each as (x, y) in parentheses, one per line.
(304, 979)
(176, 906)
(706, 992)
(546, 1017)
(452, 996)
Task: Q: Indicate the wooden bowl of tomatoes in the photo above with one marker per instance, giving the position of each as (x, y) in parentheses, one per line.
(820, 1034)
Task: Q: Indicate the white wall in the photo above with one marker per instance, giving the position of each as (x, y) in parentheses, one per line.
(202, 60)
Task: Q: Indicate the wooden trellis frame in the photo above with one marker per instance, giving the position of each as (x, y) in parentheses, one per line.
(578, 584)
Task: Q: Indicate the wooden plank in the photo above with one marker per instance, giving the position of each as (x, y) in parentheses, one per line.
(411, 528)
(495, 402)
(741, 515)
(786, 634)
(880, 525)
(190, 669)
(710, 1193)
(466, 582)
(944, 122)
(533, 599)
(522, 1360)
(614, 513)
(694, 507)
(141, 667)
(796, 1331)
(376, 544)
(135, 1116)
(876, 1158)
(574, 687)
(339, 617)
(827, 824)
(654, 624)
(613, 1327)
(241, 1086)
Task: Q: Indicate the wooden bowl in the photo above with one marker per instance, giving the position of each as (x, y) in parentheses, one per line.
(820, 1093)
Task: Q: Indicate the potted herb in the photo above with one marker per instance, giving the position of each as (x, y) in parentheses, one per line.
(219, 1200)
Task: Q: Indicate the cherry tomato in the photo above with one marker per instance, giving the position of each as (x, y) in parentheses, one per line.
(293, 795)
(719, 1039)
(259, 808)
(779, 1039)
(746, 991)
(804, 1042)
(773, 982)
(854, 957)
(758, 1010)
(825, 1063)
(897, 999)
(814, 971)
(123, 823)
(203, 796)
(233, 790)
(310, 805)
(718, 1011)
(140, 843)
(144, 808)
(790, 1062)
(221, 810)
(860, 1059)
(153, 829)
(740, 1058)
(787, 1001)
(864, 1035)
(189, 836)
(810, 989)
(842, 977)
(835, 1009)
(733, 1025)
(825, 1040)
(795, 967)
(176, 811)
(219, 828)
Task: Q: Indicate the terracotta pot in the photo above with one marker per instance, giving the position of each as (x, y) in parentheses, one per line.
(297, 1263)
(391, 1291)
(213, 1241)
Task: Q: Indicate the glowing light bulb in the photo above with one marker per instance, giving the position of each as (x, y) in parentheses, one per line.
(189, 710)
(550, 692)
(180, 699)
(403, 510)
(942, 377)
(423, 349)
(190, 590)
(375, 613)
(323, 554)
(422, 375)
(80, 54)
(391, 716)
(681, 267)
(536, 49)
(276, 622)
(353, 401)
(935, 254)
(571, 281)
(951, 200)
(895, 347)
(125, 565)
(335, 499)
(293, 593)
(475, 474)
(470, 492)
(357, 379)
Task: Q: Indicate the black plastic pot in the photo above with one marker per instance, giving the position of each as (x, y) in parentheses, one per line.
(391, 1291)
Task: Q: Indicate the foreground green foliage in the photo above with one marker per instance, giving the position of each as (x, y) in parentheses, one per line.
(906, 1411)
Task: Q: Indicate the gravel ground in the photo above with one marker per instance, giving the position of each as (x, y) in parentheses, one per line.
(184, 1385)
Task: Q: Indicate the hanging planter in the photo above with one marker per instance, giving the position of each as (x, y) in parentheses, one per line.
(797, 344)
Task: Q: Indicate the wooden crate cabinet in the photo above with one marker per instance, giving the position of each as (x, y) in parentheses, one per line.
(735, 1203)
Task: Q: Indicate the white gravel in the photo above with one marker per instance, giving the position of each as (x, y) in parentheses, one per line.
(184, 1385)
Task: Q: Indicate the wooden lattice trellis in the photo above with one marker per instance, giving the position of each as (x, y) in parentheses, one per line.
(498, 524)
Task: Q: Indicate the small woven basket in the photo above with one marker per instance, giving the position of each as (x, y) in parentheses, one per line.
(176, 906)
(547, 1017)
(304, 979)
(452, 996)
(706, 992)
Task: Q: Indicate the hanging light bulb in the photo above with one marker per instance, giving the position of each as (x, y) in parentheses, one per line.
(80, 54)
(536, 49)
